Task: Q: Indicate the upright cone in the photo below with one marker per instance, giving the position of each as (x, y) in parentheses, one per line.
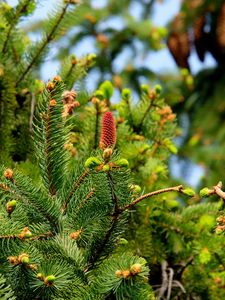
(108, 131)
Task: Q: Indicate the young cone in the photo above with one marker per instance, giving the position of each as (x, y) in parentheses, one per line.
(108, 132)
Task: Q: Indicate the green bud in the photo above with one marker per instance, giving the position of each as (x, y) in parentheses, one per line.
(12, 203)
(218, 231)
(155, 116)
(142, 261)
(172, 203)
(50, 279)
(27, 234)
(189, 80)
(170, 146)
(163, 31)
(99, 94)
(205, 192)
(106, 168)
(107, 88)
(123, 241)
(39, 276)
(135, 188)
(145, 88)
(158, 89)
(91, 57)
(184, 72)
(25, 260)
(188, 192)
(122, 162)
(92, 162)
(126, 94)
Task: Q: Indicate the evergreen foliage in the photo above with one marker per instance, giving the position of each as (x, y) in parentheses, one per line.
(58, 237)
(69, 229)
(19, 69)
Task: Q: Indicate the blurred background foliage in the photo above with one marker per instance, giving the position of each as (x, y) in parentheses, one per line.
(123, 38)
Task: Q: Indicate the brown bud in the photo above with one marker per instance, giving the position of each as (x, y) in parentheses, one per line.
(23, 258)
(90, 18)
(152, 94)
(68, 146)
(73, 151)
(69, 96)
(76, 234)
(135, 269)
(117, 81)
(8, 173)
(13, 260)
(103, 40)
(57, 78)
(118, 273)
(120, 120)
(126, 274)
(95, 100)
(107, 153)
(50, 86)
(32, 267)
(40, 276)
(52, 102)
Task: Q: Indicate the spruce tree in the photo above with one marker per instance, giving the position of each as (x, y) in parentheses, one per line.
(61, 237)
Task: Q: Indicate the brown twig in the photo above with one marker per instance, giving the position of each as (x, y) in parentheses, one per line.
(89, 195)
(177, 188)
(218, 190)
(75, 187)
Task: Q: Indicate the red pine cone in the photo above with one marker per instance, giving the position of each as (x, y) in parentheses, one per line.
(108, 132)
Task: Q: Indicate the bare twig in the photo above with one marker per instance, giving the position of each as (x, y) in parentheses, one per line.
(89, 195)
(218, 190)
(164, 285)
(177, 188)
(75, 187)
(170, 280)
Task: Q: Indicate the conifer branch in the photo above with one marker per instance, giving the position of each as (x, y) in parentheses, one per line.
(114, 197)
(75, 187)
(217, 256)
(44, 44)
(145, 114)
(89, 195)
(34, 238)
(13, 23)
(115, 218)
(19, 193)
(103, 244)
(178, 188)
(70, 71)
(52, 189)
